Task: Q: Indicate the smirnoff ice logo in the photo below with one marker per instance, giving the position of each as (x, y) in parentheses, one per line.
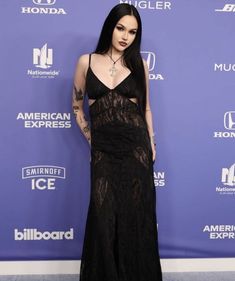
(43, 177)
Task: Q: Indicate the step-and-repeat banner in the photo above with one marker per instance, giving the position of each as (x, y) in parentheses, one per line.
(45, 176)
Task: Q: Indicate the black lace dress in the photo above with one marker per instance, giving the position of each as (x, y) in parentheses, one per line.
(121, 242)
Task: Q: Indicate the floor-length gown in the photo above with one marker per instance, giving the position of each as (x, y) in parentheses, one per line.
(120, 242)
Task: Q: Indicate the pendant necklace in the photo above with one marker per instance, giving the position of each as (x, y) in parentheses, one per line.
(113, 69)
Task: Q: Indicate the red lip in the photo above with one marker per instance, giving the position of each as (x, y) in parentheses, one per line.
(123, 43)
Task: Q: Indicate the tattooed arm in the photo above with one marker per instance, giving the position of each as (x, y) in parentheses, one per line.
(78, 96)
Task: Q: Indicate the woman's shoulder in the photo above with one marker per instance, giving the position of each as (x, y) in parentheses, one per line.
(85, 57)
(83, 63)
(83, 60)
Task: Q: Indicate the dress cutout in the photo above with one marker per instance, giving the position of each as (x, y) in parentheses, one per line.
(120, 242)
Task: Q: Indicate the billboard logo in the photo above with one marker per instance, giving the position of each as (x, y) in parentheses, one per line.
(43, 58)
(44, 2)
(227, 8)
(229, 120)
(228, 176)
(34, 234)
(43, 177)
(150, 58)
(229, 125)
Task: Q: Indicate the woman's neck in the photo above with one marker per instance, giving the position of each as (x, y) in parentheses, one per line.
(115, 53)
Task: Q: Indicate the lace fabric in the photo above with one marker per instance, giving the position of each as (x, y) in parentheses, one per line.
(121, 242)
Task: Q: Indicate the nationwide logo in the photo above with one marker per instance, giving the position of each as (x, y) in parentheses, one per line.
(228, 181)
(43, 7)
(43, 177)
(228, 176)
(43, 58)
(33, 234)
(223, 67)
(221, 232)
(229, 125)
(227, 8)
(39, 120)
(150, 5)
(159, 179)
(150, 58)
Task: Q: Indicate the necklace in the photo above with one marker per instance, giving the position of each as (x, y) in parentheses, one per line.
(113, 69)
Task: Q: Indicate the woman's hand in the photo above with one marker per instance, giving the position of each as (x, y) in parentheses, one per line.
(153, 146)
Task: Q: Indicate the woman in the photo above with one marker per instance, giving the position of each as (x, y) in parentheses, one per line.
(121, 235)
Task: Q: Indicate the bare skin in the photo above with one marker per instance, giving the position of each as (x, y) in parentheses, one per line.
(124, 32)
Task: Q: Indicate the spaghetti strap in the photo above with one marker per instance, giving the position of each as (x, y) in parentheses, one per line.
(89, 60)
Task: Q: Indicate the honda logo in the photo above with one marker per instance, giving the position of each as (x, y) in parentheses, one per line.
(229, 120)
(150, 59)
(44, 2)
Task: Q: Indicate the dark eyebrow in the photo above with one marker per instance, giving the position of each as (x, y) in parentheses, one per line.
(125, 27)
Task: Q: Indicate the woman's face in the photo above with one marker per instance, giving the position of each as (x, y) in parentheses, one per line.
(124, 33)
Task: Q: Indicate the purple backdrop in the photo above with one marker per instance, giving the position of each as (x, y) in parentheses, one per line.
(45, 185)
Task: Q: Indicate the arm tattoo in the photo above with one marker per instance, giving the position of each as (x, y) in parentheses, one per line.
(78, 94)
(86, 129)
(78, 97)
(75, 109)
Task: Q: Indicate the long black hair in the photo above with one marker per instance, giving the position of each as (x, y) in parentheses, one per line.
(131, 57)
